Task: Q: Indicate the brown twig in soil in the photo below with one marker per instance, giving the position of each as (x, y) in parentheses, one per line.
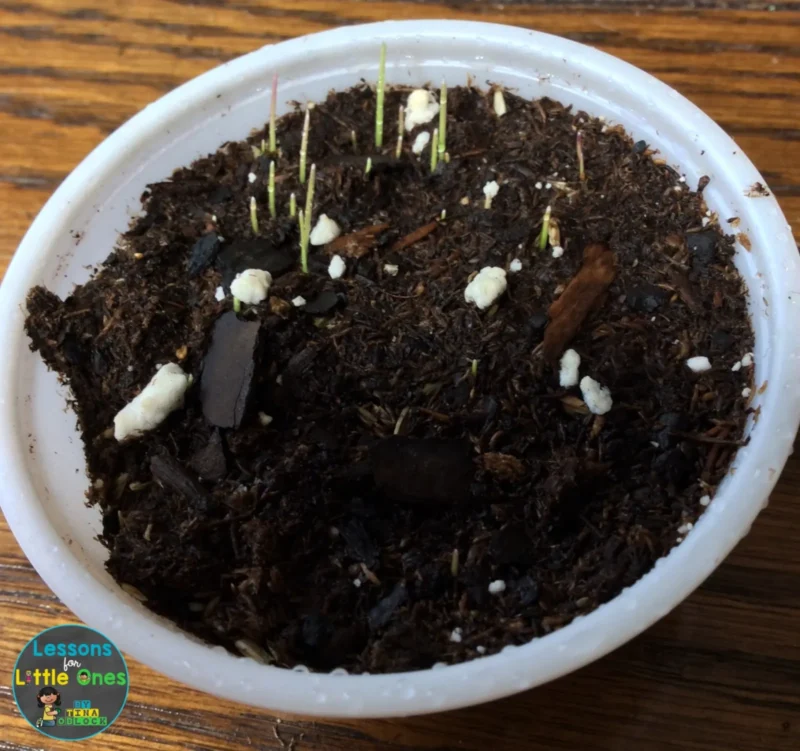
(415, 236)
(709, 439)
(473, 152)
(110, 324)
(356, 244)
(684, 288)
(583, 294)
(438, 416)
(77, 313)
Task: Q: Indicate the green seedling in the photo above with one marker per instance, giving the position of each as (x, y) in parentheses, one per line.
(254, 215)
(544, 234)
(273, 107)
(312, 183)
(304, 146)
(443, 121)
(271, 190)
(301, 220)
(379, 98)
(398, 152)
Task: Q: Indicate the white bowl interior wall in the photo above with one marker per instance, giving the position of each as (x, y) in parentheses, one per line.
(46, 484)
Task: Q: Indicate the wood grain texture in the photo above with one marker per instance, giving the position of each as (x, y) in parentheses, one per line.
(723, 670)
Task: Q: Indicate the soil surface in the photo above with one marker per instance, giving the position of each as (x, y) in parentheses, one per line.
(389, 477)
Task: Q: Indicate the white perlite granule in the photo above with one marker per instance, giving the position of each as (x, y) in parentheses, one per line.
(455, 635)
(705, 500)
(325, 231)
(497, 587)
(390, 269)
(747, 360)
(570, 363)
(486, 287)
(298, 301)
(598, 398)
(421, 108)
(420, 142)
(264, 419)
(746, 392)
(698, 364)
(558, 251)
(251, 286)
(163, 395)
(515, 266)
(499, 102)
(252, 177)
(490, 190)
(336, 267)
(219, 294)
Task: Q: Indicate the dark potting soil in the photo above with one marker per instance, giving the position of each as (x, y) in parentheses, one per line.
(419, 449)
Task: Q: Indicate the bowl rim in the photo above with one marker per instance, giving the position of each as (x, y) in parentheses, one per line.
(395, 694)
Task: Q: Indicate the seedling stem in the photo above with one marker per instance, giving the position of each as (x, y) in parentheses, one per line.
(544, 234)
(303, 242)
(400, 129)
(443, 121)
(271, 190)
(312, 182)
(253, 215)
(380, 93)
(273, 106)
(579, 149)
(304, 146)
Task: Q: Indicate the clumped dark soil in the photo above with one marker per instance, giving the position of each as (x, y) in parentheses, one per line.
(420, 449)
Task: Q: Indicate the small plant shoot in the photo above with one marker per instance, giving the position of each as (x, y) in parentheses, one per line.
(379, 98)
(579, 149)
(273, 107)
(254, 215)
(271, 190)
(545, 233)
(304, 145)
(442, 147)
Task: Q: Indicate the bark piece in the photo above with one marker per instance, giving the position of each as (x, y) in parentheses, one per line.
(356, 244)
(583, 294)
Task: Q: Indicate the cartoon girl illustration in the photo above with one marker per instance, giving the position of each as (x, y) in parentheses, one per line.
(49, 699)
(28, 677)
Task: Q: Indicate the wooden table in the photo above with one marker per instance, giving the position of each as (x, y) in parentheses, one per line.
(723, 670)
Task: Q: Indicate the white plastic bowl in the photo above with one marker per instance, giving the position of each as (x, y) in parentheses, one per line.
(43, 488)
